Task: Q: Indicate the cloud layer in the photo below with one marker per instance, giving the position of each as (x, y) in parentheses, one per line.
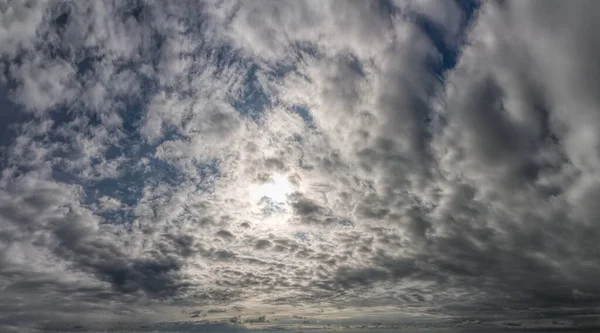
(291, 163)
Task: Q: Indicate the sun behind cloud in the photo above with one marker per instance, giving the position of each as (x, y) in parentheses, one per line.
(276, 189)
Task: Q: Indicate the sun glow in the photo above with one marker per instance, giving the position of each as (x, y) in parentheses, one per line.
(276, 189)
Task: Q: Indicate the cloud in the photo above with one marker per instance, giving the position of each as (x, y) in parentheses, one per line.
(375, 160)
(108, 203)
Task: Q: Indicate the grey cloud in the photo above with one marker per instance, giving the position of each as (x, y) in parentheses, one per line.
(225, 234)
(76, 240)
(260, 319)
(362, 276)
(216, 310)
(306, 207)
(262, 244)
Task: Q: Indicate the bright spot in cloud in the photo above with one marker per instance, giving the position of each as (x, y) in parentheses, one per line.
(276, 189)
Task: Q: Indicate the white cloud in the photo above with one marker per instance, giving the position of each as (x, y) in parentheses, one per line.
(108, 203)
(19, 22)
(43, 85)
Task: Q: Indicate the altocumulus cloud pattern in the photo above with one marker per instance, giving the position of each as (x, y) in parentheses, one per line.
(221, 166)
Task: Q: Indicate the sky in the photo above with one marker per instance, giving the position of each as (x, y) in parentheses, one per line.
(324, 166)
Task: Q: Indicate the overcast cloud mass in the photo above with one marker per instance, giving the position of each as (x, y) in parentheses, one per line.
(234, 166)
